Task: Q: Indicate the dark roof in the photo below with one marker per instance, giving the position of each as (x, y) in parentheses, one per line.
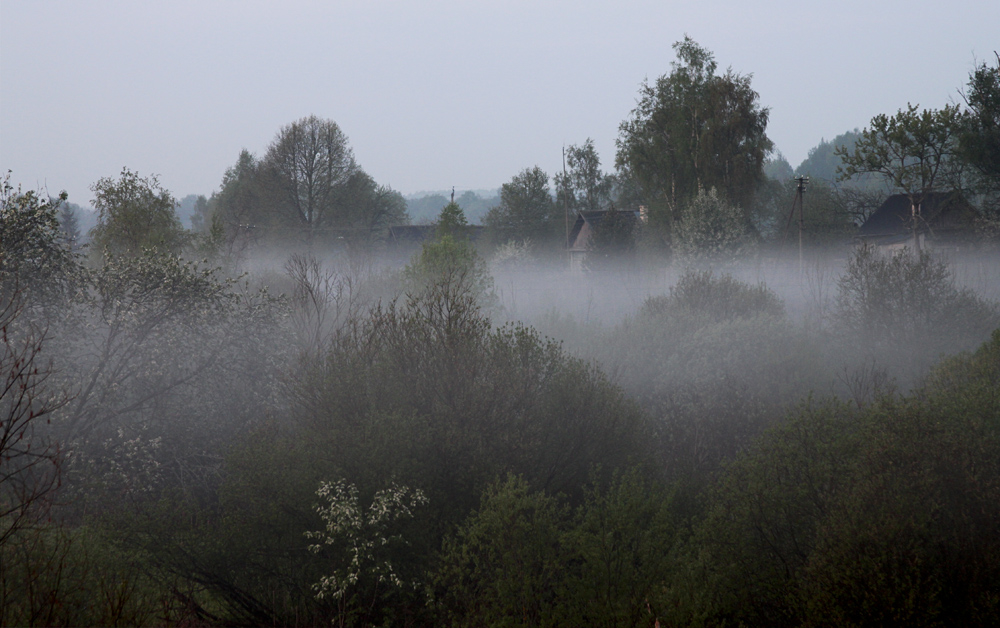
(939, 212)
(595, 218)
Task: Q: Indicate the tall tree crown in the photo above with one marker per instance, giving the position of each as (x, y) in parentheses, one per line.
(692, 130)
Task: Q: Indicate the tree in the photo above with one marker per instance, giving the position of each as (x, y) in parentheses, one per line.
(526, 211)
(238, 208)
(69, 224)
(840, 516)
(29, 461)
(451, 221)
(370, 208)
(710, 228)
(507, 560)
(907, 310)
(366, 538)
(584, 187)
(135, 213)
(914, 150)
(822, 160)
(35, 259)
(694, 130)
(449, 265)
(526, 559)
(777, 168)
(201, 214)
(305, 172)
(979, 142)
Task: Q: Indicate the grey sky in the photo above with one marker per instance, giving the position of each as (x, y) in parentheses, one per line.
(437, 94)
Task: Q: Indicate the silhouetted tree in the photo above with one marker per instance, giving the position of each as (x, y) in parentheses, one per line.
(691, 130)
(135, 213)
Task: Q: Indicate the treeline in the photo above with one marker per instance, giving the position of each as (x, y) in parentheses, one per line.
(367, 447)
(693, 158)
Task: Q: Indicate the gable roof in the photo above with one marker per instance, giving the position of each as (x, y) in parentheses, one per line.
(940, 212)
(587, 221)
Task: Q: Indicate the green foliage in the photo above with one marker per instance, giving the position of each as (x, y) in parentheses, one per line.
(303, 176)
(621, 545)
(525, 559)
(584, 187)
(451, 266)
(370, 209)
(979, 146)
(69, 225)
(710, 228)
(239, 206)
(425, 209)
(714, 362)
(451, 221)
(715, 298)
(526, 212)
(905, 310)
(909, 539)
(34, 257)
(761, 526)
(134, 214)
(914, 150)
(694, 130)
(840, 517)
(166, 378)
(507, 564)
(822, 160)
(979, 142)
(53, 576)
(366, 539)
(777, 167)
(425, 389)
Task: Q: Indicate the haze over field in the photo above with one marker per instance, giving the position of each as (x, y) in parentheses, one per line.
(435, 95)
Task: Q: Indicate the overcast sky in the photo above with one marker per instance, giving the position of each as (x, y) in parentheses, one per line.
(438, 94)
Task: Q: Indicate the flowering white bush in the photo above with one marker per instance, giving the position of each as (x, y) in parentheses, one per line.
(364, 531)
(711, 228)
(512, 254)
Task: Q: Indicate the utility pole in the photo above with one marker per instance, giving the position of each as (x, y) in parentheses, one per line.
(569, 254)
(799, 191)
(915, 210)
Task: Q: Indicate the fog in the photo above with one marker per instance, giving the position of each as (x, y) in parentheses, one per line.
(258, 432)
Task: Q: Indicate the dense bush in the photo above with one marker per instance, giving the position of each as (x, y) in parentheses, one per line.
(905, 312)
(425, 393)
(526, 559)
(715, 361)
(845, 517)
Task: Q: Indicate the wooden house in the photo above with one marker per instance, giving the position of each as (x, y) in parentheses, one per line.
(942, 220)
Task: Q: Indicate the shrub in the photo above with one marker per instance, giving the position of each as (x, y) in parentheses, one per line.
(711, 228)
(905, 311)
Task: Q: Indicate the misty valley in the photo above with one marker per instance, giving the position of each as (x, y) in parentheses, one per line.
(705, 389)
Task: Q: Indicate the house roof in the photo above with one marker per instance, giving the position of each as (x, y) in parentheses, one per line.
(939, 212)
(592, 220)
